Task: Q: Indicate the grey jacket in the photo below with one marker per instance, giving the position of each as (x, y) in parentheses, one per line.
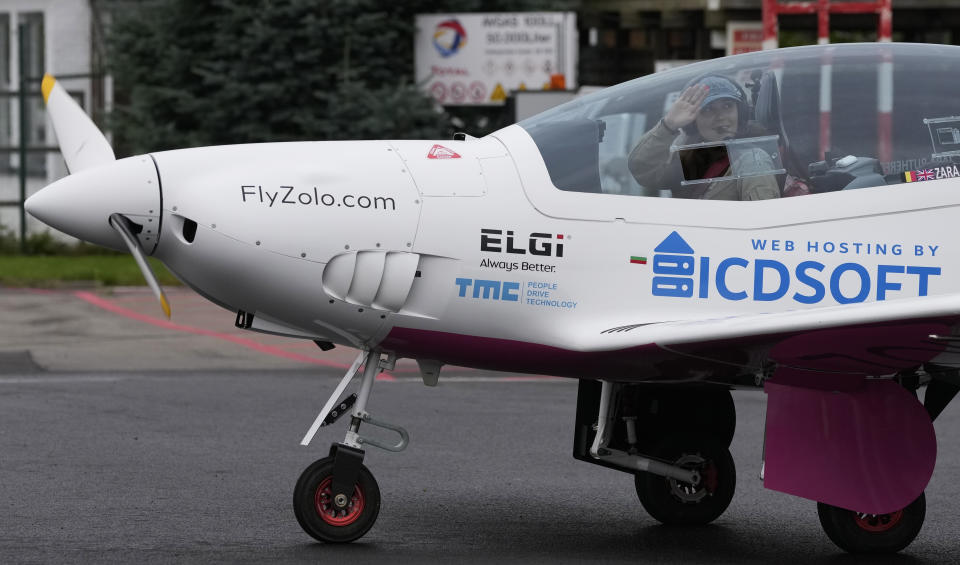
(652, 166)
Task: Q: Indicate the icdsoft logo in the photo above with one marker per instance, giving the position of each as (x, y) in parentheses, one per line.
(449, 37)
(679, 274)
(674, 258)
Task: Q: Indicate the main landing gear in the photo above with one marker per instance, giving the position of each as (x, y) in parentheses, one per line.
(674, 440)
(856, 532)
(672, 501)
(336, 499)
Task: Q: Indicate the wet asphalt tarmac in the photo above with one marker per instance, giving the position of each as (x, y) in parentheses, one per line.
(186, 465)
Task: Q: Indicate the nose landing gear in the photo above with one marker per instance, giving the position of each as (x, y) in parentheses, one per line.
(336, 499)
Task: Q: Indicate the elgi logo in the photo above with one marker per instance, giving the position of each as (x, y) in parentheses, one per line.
(811, 281)
(538, 243)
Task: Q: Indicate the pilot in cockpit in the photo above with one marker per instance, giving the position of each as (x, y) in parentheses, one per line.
(710, 110)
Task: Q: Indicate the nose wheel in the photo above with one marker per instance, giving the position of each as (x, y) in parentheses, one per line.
(335, 518)
(856, 532)
(336, 499)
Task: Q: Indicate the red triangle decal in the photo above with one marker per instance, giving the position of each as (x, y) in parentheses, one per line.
(441, 152)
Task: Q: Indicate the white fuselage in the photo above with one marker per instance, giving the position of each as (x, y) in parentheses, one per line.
(345, 241)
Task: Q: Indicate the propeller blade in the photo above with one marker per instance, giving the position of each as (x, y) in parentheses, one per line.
(81, 142)
(124, 227)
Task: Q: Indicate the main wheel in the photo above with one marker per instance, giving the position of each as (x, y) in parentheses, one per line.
(856, 532)
(317, 514)
(674, 502)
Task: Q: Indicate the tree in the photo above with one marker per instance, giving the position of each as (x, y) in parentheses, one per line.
(230, 71)
(209, 72)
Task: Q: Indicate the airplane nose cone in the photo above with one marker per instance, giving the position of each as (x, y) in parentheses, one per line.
(80, 204)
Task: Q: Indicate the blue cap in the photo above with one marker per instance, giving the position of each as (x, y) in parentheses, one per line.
(720, 87)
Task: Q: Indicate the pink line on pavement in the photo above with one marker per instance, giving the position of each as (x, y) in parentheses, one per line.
(249, 343)
(110, 306)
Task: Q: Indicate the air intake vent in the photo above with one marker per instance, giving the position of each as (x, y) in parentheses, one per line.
(189, 230)
(376, 279)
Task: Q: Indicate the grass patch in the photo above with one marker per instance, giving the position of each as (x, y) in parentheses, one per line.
(51, 271)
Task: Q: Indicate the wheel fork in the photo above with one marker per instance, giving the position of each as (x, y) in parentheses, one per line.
(348, 454)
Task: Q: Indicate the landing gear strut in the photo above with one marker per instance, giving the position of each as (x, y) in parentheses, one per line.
(336, 499)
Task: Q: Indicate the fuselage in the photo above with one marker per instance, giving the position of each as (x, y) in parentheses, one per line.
(318, 239)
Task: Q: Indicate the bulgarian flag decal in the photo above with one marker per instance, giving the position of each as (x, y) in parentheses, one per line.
(638, 260)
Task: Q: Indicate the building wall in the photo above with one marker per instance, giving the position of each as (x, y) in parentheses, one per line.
(67, 46)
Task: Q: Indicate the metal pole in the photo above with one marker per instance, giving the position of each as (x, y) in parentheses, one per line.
(22, 42)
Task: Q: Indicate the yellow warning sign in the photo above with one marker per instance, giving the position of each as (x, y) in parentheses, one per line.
(522, 86)
(498, 94)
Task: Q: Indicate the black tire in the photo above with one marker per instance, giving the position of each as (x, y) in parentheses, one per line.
(309, 504)
(855, 532)
(674, 411)
(711, 412)
(675, 503)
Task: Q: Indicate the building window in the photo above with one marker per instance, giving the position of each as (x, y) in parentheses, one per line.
(34, 56)
(6, 100)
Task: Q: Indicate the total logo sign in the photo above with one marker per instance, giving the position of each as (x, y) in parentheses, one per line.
(680, 273)
(449, 37)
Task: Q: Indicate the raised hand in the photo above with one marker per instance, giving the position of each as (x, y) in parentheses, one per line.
(684, 110)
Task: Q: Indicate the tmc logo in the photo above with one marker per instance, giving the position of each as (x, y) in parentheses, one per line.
(449, 37)
(508, 291)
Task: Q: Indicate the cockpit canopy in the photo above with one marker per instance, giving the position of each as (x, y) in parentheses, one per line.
(821, 118)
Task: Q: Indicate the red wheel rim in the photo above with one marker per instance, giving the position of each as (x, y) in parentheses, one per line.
(711, 477)
(323, 501)
(878, 522)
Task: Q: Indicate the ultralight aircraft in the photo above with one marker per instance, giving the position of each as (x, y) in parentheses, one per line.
(775, 221)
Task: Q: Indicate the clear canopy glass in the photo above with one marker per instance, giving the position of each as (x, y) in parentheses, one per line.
(808, 120)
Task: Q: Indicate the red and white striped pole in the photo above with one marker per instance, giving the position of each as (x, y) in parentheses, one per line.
(826, 75)
(826, 100)
(885, 84)
(823, 22)
(769, 24)
(884, 9)
(885, 28)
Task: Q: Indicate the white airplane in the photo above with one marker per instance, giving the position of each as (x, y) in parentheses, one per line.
(646, 239)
